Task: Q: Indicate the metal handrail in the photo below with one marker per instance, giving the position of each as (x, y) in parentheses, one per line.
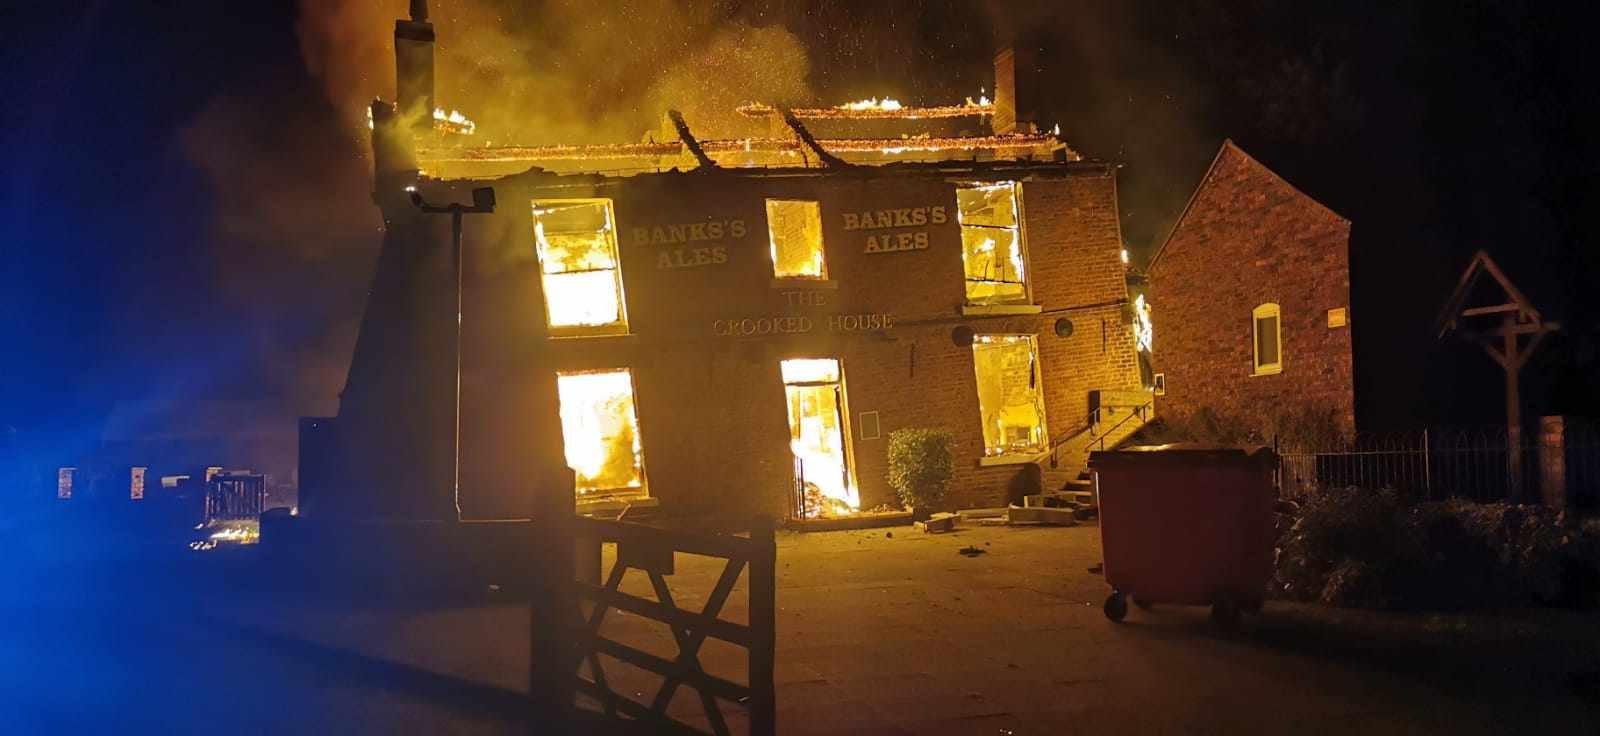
(1094, 419)
(1138, 411)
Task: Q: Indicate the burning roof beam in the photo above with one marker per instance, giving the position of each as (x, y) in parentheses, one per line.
(981, 108)
(1009, 142)
(689, 141)
(799, 129)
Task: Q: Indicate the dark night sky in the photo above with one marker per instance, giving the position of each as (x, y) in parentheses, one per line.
(132, 269)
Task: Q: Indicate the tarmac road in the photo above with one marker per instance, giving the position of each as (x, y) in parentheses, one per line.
(883, 631)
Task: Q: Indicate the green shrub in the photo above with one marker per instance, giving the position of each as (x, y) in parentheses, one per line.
(921, 462)
(1350, 547)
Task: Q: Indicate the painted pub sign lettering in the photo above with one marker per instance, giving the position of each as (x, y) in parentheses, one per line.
(800, 324)
(690, 244)
(896, 219)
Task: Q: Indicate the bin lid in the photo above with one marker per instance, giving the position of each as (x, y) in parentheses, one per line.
(1185, 453)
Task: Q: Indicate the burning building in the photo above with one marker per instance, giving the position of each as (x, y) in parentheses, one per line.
(727, 326)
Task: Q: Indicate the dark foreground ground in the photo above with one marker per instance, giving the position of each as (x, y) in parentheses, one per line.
(876, 634)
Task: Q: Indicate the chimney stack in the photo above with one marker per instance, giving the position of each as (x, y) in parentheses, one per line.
(413, 66)
(1016, 89)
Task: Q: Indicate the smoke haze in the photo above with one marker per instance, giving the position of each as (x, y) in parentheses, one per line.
(567, 71)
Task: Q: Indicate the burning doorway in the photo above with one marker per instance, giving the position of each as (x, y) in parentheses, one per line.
(600, 433)
(818, 437)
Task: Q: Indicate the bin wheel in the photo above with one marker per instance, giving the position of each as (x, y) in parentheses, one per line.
(1143, 604)
(1225, 611)
(1116, 607)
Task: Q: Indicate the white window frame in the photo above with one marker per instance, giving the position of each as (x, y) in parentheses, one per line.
(625, 492)
(1271, 311)
(619, 327)
(1005, 457)
(1026, 304)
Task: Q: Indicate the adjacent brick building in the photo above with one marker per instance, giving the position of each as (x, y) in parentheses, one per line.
(1250, 299)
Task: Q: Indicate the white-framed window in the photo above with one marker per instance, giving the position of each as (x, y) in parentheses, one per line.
(992, 249)
(1010, 394)
(581, 273)
(794, 227)
(600, 432)
(1268, 333)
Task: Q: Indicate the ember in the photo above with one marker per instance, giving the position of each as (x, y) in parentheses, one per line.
(872, 104)
(449, 122)
(452, 122)
(877, 109)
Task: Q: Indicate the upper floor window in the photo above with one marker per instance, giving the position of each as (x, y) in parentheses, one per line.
(991, 242)
(1010, 399)
(1268, 339)
(577, 244)
(795, 228)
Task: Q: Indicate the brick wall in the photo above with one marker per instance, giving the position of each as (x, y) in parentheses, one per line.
(1248, 238)
(711, 407)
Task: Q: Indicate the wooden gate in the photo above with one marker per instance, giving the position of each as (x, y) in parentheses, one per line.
(651, 550)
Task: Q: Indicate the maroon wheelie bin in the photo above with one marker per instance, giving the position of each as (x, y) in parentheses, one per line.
(1186, 524)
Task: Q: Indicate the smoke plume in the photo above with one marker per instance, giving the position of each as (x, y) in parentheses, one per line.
(562, 71)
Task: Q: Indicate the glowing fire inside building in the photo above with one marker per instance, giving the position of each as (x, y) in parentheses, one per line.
(728, 326)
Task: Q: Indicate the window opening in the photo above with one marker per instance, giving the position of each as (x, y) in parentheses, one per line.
(1010, 397)
(577, 245)
(795, 230)
(600, 432)
(814, 388)
(991, 243)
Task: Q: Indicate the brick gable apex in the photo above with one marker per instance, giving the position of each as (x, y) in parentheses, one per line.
(1229, 158)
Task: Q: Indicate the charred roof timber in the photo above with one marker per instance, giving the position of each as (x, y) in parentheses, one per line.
(689, 141)
(799, 129)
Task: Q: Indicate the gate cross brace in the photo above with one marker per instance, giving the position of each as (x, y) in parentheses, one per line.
(688, 640)
(597, 617)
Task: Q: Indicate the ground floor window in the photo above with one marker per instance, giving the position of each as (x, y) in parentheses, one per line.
(600, 432)
(818, 437)
(1010, 398)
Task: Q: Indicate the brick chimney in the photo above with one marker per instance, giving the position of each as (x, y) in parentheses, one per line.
(1016, 89)
(413, 66)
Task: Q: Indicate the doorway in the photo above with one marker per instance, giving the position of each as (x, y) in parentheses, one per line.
(824, 485)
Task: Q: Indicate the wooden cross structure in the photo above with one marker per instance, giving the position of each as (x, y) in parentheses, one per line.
(1510, 341)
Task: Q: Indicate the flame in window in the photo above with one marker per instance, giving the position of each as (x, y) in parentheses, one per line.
(600, 431)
